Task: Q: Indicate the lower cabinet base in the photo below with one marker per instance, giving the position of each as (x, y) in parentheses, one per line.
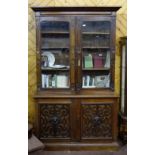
(75, 123)
(114, 146)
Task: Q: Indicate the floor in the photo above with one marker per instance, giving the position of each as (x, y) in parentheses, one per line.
(122, 151)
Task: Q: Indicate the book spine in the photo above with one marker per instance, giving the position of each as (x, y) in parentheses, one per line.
(47, 81)
(54, 81)
(93, 81)
(107, 63)
(88, 80)
(43, 80)
(83, 81)
(50, 81)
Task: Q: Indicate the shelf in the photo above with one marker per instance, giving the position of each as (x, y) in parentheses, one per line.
(96, 47)
(94, 33)
(93, 87)
(50, 48)
(56, 88)
(88, 86)
(95, 69)
(54, 32)
(54, 69)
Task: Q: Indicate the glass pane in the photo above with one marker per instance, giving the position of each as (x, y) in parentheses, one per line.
(96, 34)
(96, 40)
(55, 64)
(55, 26)
(55, 41)
(96, 54)
(96, 26)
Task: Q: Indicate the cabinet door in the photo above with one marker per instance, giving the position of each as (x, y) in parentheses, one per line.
(97, 120)
(95, 52)
(56, 59)
(55, 120)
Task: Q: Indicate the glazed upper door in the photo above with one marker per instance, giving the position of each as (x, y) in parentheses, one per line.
(95, 52)
(56, 53)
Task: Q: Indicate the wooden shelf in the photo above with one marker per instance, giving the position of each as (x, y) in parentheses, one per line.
(95, 69)
(49, 48)
(54, 32)
(94, 87)
(94, 33)
(96, 47)
(54, 69)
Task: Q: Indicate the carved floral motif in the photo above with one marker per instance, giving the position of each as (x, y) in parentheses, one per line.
(97, 120)
(54, 121)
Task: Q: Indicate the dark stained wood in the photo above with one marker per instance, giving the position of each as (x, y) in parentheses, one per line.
(123, 128)
(77, 9)
(56, 122)
(123, 42)
(123, 115)
(101, 69)
(62, 113)
(114, 146)
(75, 96)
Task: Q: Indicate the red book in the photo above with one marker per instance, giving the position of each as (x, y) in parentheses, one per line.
(98, 61)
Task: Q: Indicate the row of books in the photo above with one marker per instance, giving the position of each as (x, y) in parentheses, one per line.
(97, 60)
(100, 81)
(54, 81)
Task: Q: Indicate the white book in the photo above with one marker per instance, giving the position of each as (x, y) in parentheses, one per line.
(47, 81)
(62, 81)
(83, 79)
(43, 80)
(107, 62)
(107, 81)
(88, 80)
(93, 81)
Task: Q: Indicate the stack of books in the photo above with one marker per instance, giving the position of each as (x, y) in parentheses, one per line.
(88, 81)
(100, 81)
(54, 81)
(97, 60)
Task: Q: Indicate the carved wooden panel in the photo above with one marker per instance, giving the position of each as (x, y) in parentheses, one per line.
(55, 121)
(97, 120)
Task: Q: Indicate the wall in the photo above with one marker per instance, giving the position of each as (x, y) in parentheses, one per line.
(121, 24)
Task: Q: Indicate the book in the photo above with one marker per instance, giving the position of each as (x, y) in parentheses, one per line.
(88, 81)
(46, 81)
(50, 81)
(62, 81)
(107, 62)
(88, 61)
(43, 80)
(107, 81)
(54, 80)
(83, 81)
(102, 81)
(98, 60)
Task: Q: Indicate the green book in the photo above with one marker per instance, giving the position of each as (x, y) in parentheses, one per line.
(88, 61)
(54, 81)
